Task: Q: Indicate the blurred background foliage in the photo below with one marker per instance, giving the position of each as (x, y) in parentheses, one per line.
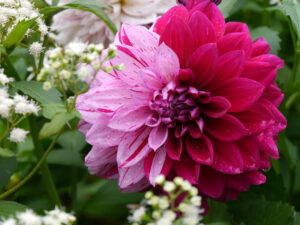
(97, 201)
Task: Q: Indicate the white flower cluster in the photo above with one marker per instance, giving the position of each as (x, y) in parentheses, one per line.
(164, 210)
(64, 67)
(14, 109)
(14, 11)
(29, 217)
(278, 2)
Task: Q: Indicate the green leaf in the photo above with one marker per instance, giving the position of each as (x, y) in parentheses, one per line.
(8, 208)
(92, 6)
(35, 90)
(272, 37)
(18, 32)
(295, 220)
(7, 168)
(50, 109)
(289, 150)
(219, 223)
(72, 140)
(65, 157)
(4, 152)
(226, 7)
(57, 122)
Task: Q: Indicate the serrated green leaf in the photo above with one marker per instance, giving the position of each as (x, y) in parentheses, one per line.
(8, 208)
(50, 109)
(8, 166)
(18, 32)
(65, 157)
(35, 90)
(4, 152)
(92, 6)
(57, 122)
(226, 7)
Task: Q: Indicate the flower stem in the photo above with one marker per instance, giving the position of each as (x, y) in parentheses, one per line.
(35, 169)
(46, 174)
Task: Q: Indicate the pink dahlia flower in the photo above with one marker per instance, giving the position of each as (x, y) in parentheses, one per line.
(197, 99)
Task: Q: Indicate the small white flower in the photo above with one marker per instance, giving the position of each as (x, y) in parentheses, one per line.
(182, 207)
(169, 186)
(4, 79)
(163, 203)
(178, 181)
(3, 93)
(84, 73)
(148, 195)
(29, 218)
(59, 216)
(194, 191)
(196, 200)
(26, 108)
(190, 220)
(43, 29)
(10, 221)
(18, 135)
(66, 74)
(76, 48)
(137, 214)
(186, 186)
(170, 215)
(156, 214)
(36, 48)
(164, 221)
(4, 111)
(160, 179)
(154, 201)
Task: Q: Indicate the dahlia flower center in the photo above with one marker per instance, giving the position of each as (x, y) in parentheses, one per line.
(176, 104)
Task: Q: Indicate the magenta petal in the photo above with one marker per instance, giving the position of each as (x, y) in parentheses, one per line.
(158, 137)
(211, 182)
(166, 63)
(272, 59)
(174, 147)
(256, 178)
(226, 128)
(238, 182)
(241, 92)
(130, 176)
(133, 147)
(268, 146)
(200, 150)
(194, 129)
(227, 158)
(206, 34)
(102, 161)
(181, 42)
(157, 163)
(217, 107)
(274, 95)
(187, 169)
(198, 63)
(129, 117)
(250, 153)
(260, 46)
(235, 41)
(233, 27)
(151, 80)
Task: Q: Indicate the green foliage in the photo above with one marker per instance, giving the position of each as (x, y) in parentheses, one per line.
(227, 6)
(8, 208)
(8, 166)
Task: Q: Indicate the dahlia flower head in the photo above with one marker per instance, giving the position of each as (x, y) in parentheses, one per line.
(197, 99)
(75, 24)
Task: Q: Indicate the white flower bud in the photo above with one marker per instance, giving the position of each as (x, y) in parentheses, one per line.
(160, 179)
(169, 186)
(18, 135)
(47, 86)
(36, 48)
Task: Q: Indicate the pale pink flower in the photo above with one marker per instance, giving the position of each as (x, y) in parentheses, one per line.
(197, 99)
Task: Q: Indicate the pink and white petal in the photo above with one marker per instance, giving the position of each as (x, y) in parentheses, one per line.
(206, 34)
(180, 42)
(84, 126)
(102, 161)
(136, 8)
(133, 147)
(229, 128)
(166, 63)
(165, 5)
(200, 150)
(227, 158)
(241, 92)
(129, 117)
(235, 41)
(158, 136)
(157, 163)
(151, 80)
(260, 46)
(129, 177)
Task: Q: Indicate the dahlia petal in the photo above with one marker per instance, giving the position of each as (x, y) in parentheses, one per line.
(200, 150)
(250, 153)
(187, 169)
(227, 158)
(256, 177)
(129, 117)
(166, 63)
(174, 147)
(217, 107)
(162, 22)
(262, 72)
(144, 59)
(133, 148)
(274, 95)
(130, 176)
(151, 80)
(181, 42)
(229, 194)
(235, 41)
(206, 34)
(102, 161)
(157, 163)
(233, 27)
(158, 137)
(260, 46)
(198, 63)
(211, 182)
(237, 182)
(268, 146)
(229, 128)
(195, 130)
(84, 126)
(134, 7)
(241, 92)
(272, 59)
(231, 65)
(265, 161)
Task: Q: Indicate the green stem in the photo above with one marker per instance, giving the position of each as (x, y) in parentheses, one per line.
(10, 67)
(35, 169)
(46, 174)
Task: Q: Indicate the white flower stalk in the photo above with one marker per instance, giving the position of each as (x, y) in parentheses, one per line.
(74, 24)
